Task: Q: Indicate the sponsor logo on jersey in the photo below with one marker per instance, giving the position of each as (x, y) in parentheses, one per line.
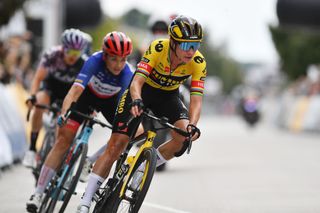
(204, 71)
(159, 47)
(144, 66)
(165, 80)
(183, 72)
(148, 52)
(101, 89)
(145, 60)
(198, 60)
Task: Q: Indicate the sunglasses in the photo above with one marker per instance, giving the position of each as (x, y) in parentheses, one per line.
(186, 46)
(73, 52)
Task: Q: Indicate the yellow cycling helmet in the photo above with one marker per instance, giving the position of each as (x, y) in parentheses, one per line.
(185, 29)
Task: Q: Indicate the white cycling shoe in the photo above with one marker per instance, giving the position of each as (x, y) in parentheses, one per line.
(34, 203)
(86, 170)
(82, 209)
(29, 159)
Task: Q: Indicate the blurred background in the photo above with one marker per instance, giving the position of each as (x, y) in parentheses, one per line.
(262, 56)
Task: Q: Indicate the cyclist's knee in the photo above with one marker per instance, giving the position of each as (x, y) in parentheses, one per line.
(115, 147)
(43, 98)
(64, 140)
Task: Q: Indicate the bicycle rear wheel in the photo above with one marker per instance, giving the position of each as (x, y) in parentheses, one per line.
(132, 199)
(77, 162)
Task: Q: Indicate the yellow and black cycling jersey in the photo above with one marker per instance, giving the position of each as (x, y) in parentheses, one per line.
(155, 67)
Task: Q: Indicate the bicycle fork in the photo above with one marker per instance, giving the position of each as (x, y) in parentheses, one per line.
(132, 160)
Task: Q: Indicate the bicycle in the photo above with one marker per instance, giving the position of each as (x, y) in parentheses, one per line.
(49, 123)
(63, 185)
(117, 195)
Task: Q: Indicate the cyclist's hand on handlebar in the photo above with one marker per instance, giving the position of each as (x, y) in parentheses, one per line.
(195, 131)
(31, 101)
(137, 107)
(61, 121)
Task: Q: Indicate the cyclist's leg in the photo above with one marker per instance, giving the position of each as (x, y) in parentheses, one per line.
(97, 154)
(177, 114)
(36, 124)
(115, 146)
(107, 107)
(101, 169)
(168, 149)
(93, 158)
(54, 159)
(90, 160)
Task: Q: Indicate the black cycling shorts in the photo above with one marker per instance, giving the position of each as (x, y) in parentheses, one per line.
(160, 102)
(56, 89)
(89, 102)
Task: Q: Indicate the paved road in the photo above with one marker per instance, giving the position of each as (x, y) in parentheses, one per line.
(232, 169)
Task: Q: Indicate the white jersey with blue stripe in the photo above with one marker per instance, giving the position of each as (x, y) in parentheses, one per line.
(100, 80)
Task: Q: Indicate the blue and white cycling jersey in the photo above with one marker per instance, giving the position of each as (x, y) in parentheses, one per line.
(100, 80)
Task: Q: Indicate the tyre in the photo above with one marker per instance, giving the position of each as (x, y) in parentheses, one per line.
(132, 199)
(78, 162)
(48, 200)
(58, 189)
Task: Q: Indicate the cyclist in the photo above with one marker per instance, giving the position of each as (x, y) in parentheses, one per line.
(56, 72)
(166, 64)
(88, 38)
(100, 83)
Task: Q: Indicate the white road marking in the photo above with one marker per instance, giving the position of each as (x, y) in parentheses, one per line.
(168, 209)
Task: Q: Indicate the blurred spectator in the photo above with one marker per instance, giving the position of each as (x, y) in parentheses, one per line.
(17, 60)
(158, 28)
(4, 76)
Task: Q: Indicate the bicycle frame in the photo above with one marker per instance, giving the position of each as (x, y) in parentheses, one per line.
(83, 138)
(117, 187)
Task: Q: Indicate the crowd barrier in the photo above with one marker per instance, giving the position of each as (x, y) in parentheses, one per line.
(299, 113)
(13, 140)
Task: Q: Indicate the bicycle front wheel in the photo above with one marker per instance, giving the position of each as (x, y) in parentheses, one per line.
(133, 197)
(49, 201)
(76, 163)
(46, 146)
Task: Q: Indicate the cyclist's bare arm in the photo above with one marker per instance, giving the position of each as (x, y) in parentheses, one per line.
(39, 76)
(195, 109)
(72, 96)
(135, 90)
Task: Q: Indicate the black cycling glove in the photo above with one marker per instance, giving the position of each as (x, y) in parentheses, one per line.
(193, 130)
(31, 99)
(138, 103)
